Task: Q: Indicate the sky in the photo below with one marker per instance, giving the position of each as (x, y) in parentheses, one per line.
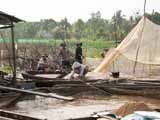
(35, 10)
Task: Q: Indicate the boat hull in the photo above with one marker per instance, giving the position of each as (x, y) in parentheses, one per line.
(35, 75)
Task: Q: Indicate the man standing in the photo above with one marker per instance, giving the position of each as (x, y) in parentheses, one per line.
(65, 55)
(42, 63)
(78, 54)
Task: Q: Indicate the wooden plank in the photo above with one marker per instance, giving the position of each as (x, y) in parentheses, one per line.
(51, 83)
(109, 85)
(58, 81)
(8, 115)
(83, 118)
(4, 118)
(51, 95)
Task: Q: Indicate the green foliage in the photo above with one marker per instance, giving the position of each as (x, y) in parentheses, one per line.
(90, 48)
(78, 29)
(94, 28)
(7, 69)
(96, 33)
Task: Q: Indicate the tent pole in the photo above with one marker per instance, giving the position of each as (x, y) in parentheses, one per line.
(134, 68)
(115, 30)
(13, 52)
(144, 11)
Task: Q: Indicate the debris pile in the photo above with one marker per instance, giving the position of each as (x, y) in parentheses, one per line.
(129, 108)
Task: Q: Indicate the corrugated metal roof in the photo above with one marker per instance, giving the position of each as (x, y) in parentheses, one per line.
(6, 19)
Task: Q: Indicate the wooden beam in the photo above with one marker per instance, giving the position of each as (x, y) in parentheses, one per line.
(8, 115)
(51, 95)
(13, 53)
(4, 27)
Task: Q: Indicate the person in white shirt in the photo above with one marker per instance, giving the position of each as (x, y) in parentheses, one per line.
(79, 69)
(41, 63)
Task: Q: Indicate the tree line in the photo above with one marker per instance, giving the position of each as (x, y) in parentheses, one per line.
(95, 28)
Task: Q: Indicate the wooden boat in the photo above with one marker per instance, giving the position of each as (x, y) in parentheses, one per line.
(147, 89)
(145, 92)
(8, 98)
(135, 88)
(36, 75)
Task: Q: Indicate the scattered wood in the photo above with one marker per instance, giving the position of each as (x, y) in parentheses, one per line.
(51, 95)
(7, 99)
(7, 115)
(83, 118)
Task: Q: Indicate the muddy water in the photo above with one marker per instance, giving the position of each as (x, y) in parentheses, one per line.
(83, 105)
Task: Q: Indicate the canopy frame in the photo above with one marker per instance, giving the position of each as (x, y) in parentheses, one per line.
(7, 21)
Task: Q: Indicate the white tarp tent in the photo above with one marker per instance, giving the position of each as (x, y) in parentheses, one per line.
(138, 54)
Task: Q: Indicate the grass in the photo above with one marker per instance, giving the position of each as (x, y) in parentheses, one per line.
(91, 48)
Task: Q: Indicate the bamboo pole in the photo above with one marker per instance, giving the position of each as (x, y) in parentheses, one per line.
(144, 10)
(139, 45)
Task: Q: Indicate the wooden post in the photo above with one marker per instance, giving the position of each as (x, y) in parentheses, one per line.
(13, 53)
(1, 57)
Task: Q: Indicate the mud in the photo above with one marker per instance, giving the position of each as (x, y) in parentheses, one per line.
(83, 105)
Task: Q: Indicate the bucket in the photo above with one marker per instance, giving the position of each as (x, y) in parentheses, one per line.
(115, 74)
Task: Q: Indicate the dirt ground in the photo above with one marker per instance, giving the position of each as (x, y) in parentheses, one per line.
(84, 105)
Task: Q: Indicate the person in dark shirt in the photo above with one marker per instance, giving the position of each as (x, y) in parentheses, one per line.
(64, 53)
(78, 54)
